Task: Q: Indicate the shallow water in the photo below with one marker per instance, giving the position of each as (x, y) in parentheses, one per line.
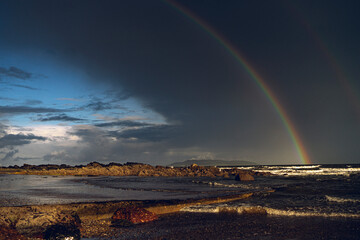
(315, 190)
(18, 190)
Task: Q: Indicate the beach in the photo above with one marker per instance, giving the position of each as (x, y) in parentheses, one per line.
(283, 202)
(96, 224)
(235, 226)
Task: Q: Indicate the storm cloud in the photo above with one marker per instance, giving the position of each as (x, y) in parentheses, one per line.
(123, 123)
(26, 109)
(14, 72)
(61, 117)
(12, 140)
(176, 69)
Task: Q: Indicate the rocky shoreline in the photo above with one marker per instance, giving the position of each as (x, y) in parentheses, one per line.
(128, 169)
(97, 219)
(89, 219)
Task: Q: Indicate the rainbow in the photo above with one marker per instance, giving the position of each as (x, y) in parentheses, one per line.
(339, 73)
(289, 126)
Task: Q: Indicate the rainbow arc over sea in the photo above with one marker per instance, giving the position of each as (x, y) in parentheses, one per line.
(289, 126)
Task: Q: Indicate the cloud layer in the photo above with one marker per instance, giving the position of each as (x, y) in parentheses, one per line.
(210, 105)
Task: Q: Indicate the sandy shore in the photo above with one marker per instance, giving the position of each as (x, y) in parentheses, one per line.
(95, 218)
(233, 226)
(172, 224)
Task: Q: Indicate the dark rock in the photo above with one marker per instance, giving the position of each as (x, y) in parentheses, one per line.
(132, 163)
(124, 216)
(10, 233)
(194, 165)
(62, 232)
(121, 223)
(33, 223)
(114, 164)
(244, 177)
(27, 166)
(94, 165)
(225, 175)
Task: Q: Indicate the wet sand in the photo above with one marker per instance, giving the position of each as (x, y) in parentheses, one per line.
(234, 226)
(96, 223)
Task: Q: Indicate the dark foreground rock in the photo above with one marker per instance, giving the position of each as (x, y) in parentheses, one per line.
(7, 232)
(62, 231)
(132, 215)
(31, 222)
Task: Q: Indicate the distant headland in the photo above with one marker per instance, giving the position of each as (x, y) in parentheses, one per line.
(206, 162)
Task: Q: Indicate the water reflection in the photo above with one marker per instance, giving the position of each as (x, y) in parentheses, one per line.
(18, 190)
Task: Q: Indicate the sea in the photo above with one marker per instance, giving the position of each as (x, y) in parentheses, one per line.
(299, 190)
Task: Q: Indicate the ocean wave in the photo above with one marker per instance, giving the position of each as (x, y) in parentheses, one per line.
(249, 209)
(242, 186)
(290, 171)
(341, 200)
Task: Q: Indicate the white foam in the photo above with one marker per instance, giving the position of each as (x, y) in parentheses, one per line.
(310, 170)
(222, 208)
(238, 185)
(279, 212)
(259, 209)
(340, 200)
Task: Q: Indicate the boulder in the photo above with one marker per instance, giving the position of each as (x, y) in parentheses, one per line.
(194, 165)
(62, 231)
(244, 177)
(132, 215)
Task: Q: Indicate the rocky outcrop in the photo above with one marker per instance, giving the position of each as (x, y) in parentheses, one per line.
(128, 169)
(30, 221)
(132, 215)
(244, 177)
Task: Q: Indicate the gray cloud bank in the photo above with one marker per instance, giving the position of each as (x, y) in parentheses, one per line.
(26, 109)
(176, 69)
(12, 140)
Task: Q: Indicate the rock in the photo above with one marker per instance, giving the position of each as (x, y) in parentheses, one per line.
(244, 177)
(35, 223)
(10, 233)
(62, 232)
(194, 165)
(94, 165)
(128, 169)
(225, 175)
(132, 215)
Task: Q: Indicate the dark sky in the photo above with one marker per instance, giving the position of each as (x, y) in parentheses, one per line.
(143, 81)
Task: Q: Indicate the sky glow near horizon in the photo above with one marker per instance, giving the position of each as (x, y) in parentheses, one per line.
(84, 81)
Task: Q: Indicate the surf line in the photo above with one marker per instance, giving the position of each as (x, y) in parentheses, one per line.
(289, 126)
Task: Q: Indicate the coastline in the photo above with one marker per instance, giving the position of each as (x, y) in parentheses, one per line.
(96, 222)
(95, 217)
(127, 169)
(188, 219)
(184, 225)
